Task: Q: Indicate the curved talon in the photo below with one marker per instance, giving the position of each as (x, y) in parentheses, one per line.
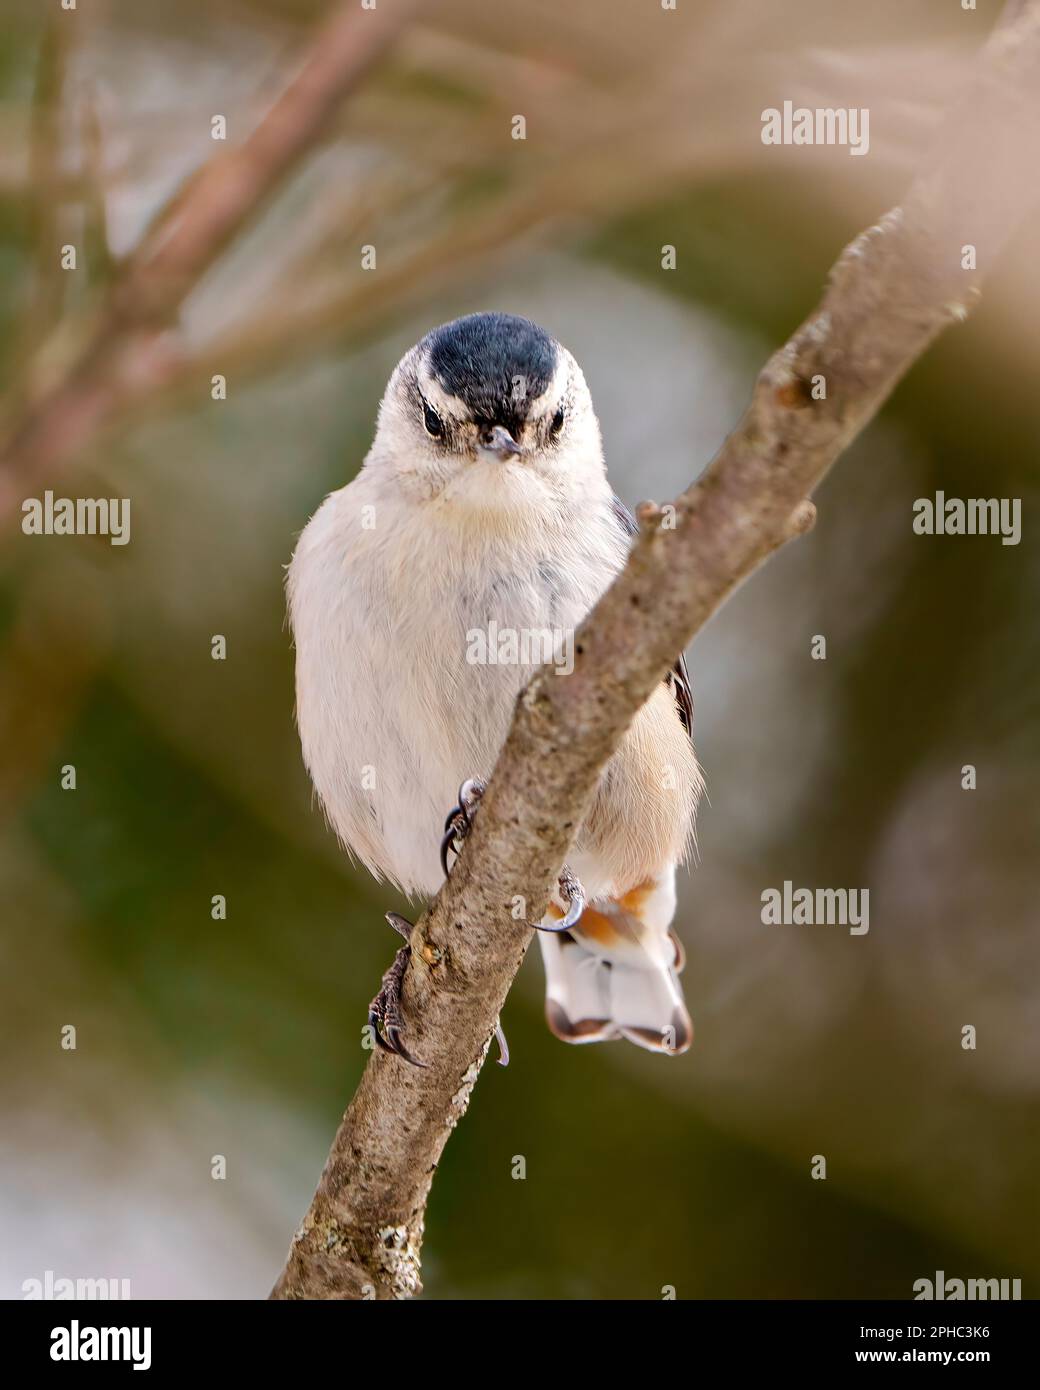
(459, 820)
(574, 894)
(503, 1046)
(401, 925)
(394, 1043)
(447, 844)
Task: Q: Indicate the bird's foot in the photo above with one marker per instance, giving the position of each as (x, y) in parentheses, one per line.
(573, 895)
(460, 819)
(384, 1012)
(458, 825)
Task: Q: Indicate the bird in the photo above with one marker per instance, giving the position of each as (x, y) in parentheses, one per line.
(483, 507)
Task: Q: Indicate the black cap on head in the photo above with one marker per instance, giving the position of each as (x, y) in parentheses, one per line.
(496, 363)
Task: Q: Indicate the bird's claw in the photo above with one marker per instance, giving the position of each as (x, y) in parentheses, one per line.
(573, 895)
(395, 1045)
(459, 820)
(384, 1012)
(401, 925)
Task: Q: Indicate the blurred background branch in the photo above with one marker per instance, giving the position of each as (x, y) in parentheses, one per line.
(184, 239)
(47, 151)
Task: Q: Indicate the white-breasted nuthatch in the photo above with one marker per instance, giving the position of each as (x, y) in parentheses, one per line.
(478, 534)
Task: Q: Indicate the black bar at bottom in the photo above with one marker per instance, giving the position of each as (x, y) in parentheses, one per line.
(306, 1343)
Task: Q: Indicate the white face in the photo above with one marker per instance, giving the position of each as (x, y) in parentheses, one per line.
(472, 426)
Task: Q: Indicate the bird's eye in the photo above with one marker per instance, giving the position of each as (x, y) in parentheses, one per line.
(557, 423)
(432, 421)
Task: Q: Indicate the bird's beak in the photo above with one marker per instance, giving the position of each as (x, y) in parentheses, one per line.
(500, 442)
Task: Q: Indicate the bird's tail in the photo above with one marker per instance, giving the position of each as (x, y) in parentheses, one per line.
(616, 975)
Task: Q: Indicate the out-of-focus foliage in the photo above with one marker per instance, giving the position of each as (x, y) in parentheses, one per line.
(241, 1037)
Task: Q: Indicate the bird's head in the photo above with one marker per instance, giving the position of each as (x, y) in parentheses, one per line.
(488, 409)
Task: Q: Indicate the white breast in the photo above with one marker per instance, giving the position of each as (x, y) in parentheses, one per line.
(385, 595)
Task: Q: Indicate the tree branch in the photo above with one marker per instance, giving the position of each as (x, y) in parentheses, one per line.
(187, 237)
(890, 294)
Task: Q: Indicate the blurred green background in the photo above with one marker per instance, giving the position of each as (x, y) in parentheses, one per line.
(242, 1037)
